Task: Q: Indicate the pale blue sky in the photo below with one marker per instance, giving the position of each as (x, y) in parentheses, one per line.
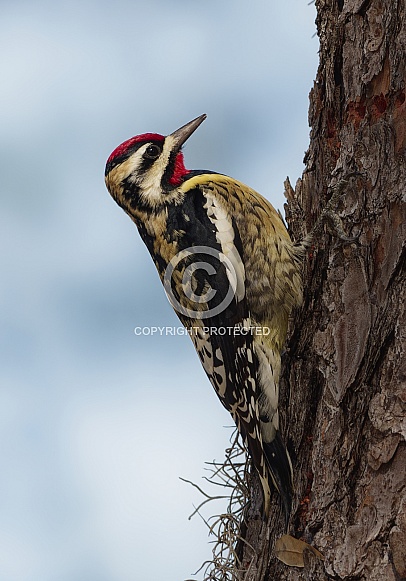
(96, 423)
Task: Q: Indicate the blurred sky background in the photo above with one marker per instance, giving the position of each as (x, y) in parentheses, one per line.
(96, 423)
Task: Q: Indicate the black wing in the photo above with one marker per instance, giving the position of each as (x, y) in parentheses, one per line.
(208, 293)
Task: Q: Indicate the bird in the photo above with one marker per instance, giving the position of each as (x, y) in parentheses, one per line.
(232, 274)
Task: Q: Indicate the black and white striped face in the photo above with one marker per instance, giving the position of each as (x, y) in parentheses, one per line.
(145, 170)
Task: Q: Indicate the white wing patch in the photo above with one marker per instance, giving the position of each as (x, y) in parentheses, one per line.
(225, 237)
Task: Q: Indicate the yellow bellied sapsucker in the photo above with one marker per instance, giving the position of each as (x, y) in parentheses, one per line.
(230, 271)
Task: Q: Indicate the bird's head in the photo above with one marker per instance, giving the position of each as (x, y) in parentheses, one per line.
(144, 171)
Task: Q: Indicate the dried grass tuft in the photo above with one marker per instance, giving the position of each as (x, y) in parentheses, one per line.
(232, 476)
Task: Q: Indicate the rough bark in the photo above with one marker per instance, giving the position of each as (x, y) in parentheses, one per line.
(344, 371)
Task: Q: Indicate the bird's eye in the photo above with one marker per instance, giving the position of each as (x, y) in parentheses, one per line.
(152, 151)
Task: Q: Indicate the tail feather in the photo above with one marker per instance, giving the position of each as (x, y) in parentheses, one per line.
(280, 469)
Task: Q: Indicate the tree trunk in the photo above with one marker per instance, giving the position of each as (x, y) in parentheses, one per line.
(344, 373)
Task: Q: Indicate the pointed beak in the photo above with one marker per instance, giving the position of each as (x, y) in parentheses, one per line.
(184, 132)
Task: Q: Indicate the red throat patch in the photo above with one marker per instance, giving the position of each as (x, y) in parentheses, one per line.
(179, 171)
